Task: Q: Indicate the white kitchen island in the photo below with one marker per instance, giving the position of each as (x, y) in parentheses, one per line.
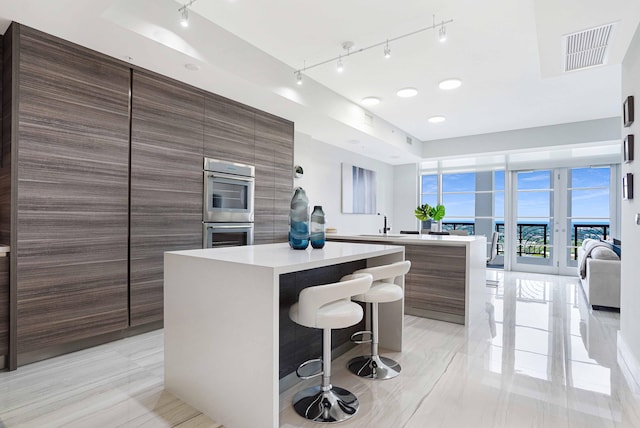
(221, 315)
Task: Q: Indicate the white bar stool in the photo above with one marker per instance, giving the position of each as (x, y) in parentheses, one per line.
(382, 290)
(327, 307)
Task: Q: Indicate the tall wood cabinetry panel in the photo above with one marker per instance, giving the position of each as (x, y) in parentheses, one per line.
(72, 197)
(265, 181)
(167, 129)
(228, 130)
(5, 215)
(4, 306)
(274, 164)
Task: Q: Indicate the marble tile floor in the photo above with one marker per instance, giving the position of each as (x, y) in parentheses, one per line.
(537, 357)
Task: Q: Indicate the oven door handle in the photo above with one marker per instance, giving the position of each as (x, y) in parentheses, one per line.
(229, 176)
(231, 227)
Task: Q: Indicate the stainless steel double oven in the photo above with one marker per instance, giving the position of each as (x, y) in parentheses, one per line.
(227, 218)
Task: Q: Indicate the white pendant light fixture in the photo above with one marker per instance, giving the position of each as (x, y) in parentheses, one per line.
(348, 45)
(407, 92)
(449, 84)
(370, 101)
(299, 79)
(436, 119)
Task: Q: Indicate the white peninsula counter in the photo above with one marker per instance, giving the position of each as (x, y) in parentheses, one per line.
(221, 323)
(448, 273)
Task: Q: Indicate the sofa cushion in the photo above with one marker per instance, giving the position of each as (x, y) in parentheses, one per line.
(604, 253)
(615, 247)
(588, 243)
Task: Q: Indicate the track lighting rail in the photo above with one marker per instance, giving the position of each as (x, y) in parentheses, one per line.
(347, 47)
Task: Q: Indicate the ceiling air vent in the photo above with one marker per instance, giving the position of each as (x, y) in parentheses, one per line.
(587, 48)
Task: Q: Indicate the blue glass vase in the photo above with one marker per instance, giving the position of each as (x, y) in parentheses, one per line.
(317, 235)
(299, 220)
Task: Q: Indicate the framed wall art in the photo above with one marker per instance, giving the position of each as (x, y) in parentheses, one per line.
(627, 111)
(358, 190)
(627, 186)
(628, 148)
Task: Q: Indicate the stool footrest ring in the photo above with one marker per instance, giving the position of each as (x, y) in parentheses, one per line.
(312, 375)
(362, 333)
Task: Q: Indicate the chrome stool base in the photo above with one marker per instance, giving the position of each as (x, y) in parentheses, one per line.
(374, 367)
(335, 405)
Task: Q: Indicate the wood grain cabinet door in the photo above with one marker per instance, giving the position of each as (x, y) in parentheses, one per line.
(274, 177)
(436, 281)
(229, 130)
(72, 191)
(4, 305)
(166, 184)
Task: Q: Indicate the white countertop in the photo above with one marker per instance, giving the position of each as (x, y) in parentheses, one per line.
(282, 258)
(400, 239)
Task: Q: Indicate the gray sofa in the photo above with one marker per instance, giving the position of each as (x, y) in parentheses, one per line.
(599, 271)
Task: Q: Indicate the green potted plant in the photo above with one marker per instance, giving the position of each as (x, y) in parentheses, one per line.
(428, 214)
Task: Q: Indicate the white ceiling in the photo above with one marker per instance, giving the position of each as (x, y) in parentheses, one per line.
(508, 54)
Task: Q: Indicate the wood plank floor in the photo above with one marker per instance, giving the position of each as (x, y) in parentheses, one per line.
(537, 358)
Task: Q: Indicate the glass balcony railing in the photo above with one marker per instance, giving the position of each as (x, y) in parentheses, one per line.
(533, 239)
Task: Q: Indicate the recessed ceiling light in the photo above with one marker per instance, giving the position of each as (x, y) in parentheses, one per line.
(449, 84)
(370, 101)
(436, 119)
(192, 67)
(407, 92)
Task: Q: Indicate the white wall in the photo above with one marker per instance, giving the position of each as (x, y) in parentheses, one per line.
(592, 131)
(322, 182)
(629, 337)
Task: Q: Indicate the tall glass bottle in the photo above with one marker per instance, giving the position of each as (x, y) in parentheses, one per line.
(317, 227)
(299, 220)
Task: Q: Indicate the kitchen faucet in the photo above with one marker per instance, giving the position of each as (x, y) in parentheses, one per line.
(385, 229)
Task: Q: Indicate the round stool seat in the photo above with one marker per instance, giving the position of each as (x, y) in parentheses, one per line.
(340, 314)
(381, 292)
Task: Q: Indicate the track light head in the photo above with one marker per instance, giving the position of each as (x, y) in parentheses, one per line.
(442, 34)
(299, 78)
(340, 66)
(184, 16)
(387, 50)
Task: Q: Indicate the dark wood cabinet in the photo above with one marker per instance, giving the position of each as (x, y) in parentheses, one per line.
(274, 177)
(4, 306)
(167, 128)
(436, 281)
(228, 130)
(101, 173)
(72, 137)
